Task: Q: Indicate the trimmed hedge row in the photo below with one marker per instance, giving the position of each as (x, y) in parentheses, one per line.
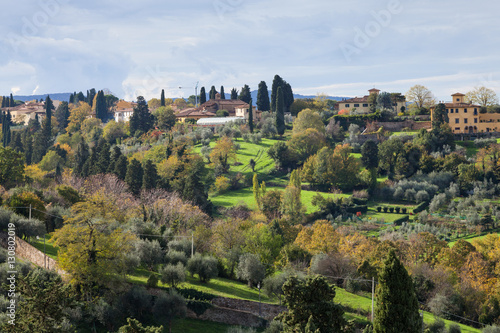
(402, 219)
(357, 208)
(397, 210)
(421, 207)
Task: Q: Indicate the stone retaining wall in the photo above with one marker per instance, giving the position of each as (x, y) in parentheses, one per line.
(28, 252)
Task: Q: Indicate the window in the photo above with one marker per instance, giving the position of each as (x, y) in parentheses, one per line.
(456, 110)
(475, 120)
(475, 111)
(465, 120)
(447, 111)
(365, 105)
(347, 105)
(457, 128)
(458, 99)
(451, 110)
(356, 105)
(465, 110)
(457, 120)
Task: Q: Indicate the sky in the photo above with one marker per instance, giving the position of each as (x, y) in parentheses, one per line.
(340, 48)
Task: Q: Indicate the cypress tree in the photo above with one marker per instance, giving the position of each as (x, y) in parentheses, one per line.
(150, 176)
(3, 101)
(47, 128)
(27, 141)
(134, 176)
(62, 116)
(5, 129)
(263, 97)
(12, 103)
(103, 157)
(80, 97)
(142, 120)
(397, 306)
(287, 96)
(234, 93)
(101, 108)
(245, 95)
(280, 112)
(121, 166)
(222, 94)
(115, 155)
(250, 117)
(277, 82)
(162, 98)
(71, 98)
(203, 95)
(212, 93)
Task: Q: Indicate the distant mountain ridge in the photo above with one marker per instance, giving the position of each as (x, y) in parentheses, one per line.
(65, 97)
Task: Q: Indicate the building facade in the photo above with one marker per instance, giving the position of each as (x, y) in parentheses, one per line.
(465, 117)
(361, 105)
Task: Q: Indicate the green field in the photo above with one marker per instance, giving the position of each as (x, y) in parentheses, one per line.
(245, 196)
(50, 249)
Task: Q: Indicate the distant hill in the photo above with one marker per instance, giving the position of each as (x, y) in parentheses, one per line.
(63, 97)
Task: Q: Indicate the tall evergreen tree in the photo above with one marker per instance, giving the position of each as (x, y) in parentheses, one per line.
(397, 305)
(72, 98)
(115, 155)
(121, 166)
(49, 106)
(203, 95)
(12, 103)
(134, 176)
(234, 93)
(162, 98)
(150, 175)
(142, 120)
(62, 116)
(280, 112)
(222, 93)
(250, 116)
(80, 97)
(90, 97)
(212, 92)
(81, 156)
(27, 141)
(6, 135)
(245, 95)
(101, 108)
(103, 157)
(263, 97)
(3, 101)
(287, 96)
(277, 82)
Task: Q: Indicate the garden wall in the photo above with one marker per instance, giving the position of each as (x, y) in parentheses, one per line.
(28, 252)
(239, 312)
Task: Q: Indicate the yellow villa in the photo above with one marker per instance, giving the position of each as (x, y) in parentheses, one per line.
(465, 117)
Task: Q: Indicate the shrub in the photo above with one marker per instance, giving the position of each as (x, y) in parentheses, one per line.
(174, 257)
(362, 194)
(250, 269)
(222, 184)
(437, 326)
(173, 274)
(204, 267)
(421, 196)
(403, 210)
(397, 210)
(385, 209)
(379, 209)
(183, 245)
(391, 209)
(454, 328)
(152, 281)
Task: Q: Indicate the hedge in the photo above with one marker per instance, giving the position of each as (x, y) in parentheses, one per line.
(357, 208)
(359, 201)
(421, 207)
(402, 219)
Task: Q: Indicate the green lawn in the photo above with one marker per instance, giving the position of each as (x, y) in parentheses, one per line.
(245, 196)
(50, 249)
(365, 303)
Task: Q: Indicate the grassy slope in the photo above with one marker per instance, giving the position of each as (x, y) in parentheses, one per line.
(234, 289)
(245, 196)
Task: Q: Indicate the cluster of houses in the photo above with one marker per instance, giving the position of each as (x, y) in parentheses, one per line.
(463, 117)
